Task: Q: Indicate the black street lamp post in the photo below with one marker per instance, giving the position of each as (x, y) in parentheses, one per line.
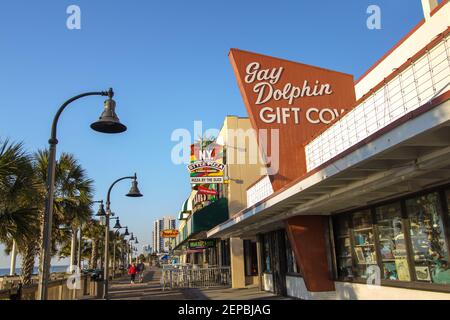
(118, 227)
(134, 193)
(107, 123)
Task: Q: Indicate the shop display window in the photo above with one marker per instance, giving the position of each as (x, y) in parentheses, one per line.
(406, 239)
(392, 243)
(364, 252)
(343, 247)
(428, 239)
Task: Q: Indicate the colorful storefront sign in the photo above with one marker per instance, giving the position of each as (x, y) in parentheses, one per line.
(206, 162)
(171, 233)
(207, 191)
(206, 180)
(298, 100)
(201, 244)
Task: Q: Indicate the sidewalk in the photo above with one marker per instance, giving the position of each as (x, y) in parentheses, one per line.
(150, 289)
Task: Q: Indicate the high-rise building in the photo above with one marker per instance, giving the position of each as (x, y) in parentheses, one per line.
(159, 244)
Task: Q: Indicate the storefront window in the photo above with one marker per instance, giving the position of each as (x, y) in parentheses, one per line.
(266, 251)
(391, 237)
(428, 239)
(364, 243)
(290, 259)
(343, 247)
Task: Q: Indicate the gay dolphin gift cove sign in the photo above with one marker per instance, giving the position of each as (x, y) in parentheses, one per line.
(298, 100)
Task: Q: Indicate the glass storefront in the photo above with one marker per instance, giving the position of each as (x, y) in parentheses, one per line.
(406, 239)
(428, 239)
(342, 241)
(364, 243)
(291, 265)
(391, 236)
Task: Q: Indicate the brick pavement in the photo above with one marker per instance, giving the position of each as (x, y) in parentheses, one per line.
(150, 289)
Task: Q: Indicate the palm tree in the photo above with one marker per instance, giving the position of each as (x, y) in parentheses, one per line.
(73, 197)
(72, 200)
(20, 197)
(95, 232)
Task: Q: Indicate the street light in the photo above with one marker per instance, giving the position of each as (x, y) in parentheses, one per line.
(133, 193)
(107, 123)
(117, 227)
(101, 210)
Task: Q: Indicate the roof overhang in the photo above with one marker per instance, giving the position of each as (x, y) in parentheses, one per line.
(412, 155)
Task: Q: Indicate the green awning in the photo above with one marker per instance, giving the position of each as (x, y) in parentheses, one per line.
(186, 209)
(210, 216)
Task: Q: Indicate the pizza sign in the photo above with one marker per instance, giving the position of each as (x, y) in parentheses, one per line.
(205, 167)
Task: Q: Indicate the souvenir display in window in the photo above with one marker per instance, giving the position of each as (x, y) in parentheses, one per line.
(343, 247)
(392, 242)
(428, 239)
(364, 242)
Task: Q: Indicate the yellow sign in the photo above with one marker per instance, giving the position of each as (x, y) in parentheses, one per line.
(169, 233)
(401, 264)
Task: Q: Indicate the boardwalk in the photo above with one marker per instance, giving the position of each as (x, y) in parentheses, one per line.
(150, 289)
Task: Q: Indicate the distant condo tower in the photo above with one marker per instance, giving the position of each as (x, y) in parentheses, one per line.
(159, 244)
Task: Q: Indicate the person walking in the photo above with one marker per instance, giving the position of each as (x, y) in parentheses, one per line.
(140, 271)
(132, 272)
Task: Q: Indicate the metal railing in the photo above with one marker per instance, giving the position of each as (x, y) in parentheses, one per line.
(196, 278)
(422, 81)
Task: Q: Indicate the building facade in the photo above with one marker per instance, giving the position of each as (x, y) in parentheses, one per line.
(159, 244)
(211, 204)
(358, 207)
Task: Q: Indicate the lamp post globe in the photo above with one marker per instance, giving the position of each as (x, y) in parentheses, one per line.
(134, 190)
(117, 225)
(101, 210)
(109, 121)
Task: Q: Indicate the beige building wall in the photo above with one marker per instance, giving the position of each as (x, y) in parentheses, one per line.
(237, 263)
(243, 163)
(243, 169)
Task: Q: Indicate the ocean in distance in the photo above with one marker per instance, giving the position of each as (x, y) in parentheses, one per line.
(54, 269)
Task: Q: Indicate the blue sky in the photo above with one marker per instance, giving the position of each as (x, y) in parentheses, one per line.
(168, 63)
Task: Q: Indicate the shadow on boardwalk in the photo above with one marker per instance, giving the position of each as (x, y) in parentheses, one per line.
(150, 289)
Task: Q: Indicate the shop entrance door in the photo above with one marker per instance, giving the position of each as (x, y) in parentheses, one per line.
(278, 253)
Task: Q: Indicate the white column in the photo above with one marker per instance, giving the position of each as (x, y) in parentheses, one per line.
(12, 270)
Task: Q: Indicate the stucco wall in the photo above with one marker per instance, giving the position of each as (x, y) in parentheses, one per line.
(241, 171)
(296, 288)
